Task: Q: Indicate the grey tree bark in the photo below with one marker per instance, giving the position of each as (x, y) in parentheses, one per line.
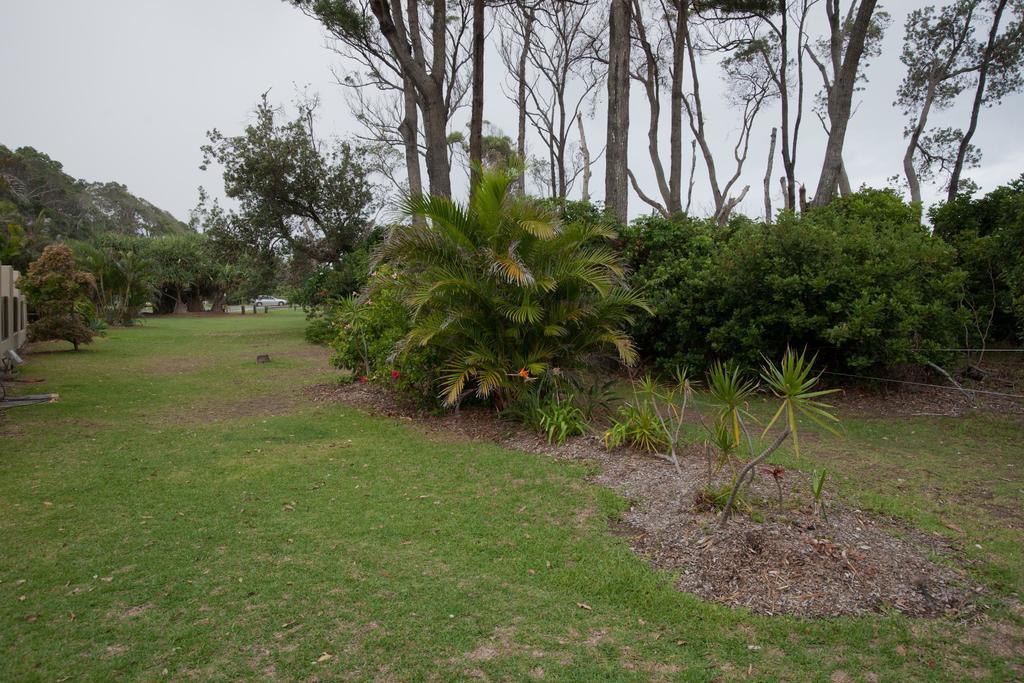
(768, 178)
(429, 85)
(616, 188)
(840, 95)
(476, 120)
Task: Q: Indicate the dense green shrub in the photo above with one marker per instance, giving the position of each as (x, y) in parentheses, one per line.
(860, 282)
(988, 234)
(367, 338)
(505, 292)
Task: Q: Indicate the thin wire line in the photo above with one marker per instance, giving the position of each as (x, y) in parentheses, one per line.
(924, 384)
(986, 350)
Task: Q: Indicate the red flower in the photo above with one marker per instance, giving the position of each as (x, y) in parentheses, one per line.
(395, 374)
(363, 379)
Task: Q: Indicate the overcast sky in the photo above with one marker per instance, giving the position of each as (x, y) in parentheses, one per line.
(125, 90)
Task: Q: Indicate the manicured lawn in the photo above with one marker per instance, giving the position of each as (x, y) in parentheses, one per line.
(184, 512)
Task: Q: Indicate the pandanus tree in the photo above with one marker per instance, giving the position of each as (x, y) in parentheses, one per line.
(506, 292)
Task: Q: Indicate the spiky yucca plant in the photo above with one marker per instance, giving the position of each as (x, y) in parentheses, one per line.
(507, 292)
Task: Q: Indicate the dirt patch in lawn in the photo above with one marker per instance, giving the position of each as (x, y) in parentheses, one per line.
(791, 561)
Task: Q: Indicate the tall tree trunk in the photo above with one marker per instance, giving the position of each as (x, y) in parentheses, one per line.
(840, 98)
(652, 88)
(562, 140)
(616, 187)
(908, 157)
(784, 107)
(675, 174)
(768, 179)
(585, 153)
(530, 15)
(217, 302)
(429, 85)
(409, 130)
(845, 190)
(979, 99)
(476, 121)
(693, 173)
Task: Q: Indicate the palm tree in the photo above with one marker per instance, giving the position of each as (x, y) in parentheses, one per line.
(506, 292)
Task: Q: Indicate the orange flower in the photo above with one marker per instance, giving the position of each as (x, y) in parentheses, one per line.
(524, 373)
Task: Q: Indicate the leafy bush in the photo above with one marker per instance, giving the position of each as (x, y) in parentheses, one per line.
(987, 233)
(367, 333)
(560, 420)
(59, 294)
(860, 281)
(321, 328)
(505, 292)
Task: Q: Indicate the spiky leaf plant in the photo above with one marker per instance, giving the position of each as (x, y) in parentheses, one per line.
(729, 392)
(793, 381)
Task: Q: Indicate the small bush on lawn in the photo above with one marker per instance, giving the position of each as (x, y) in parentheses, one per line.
(321, 327)
(59, 294)
(504, 292)
(860, 281)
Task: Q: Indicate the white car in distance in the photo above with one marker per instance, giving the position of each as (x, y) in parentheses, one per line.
(268, 301)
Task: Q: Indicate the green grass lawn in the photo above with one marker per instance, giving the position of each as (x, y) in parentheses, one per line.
(183, 512)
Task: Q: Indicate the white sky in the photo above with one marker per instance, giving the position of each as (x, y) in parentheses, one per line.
(125, 90)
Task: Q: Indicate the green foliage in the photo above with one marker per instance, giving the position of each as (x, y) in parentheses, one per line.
(729, 392)
(505, 292)
(321, 329)
(48, 206)
(125, 278)
(636, 424)
(13, 240)
(368, 338)
(560, 420)
(987, 233)
(561, 406)
(860, 282)
(56, 291)
(290, 188)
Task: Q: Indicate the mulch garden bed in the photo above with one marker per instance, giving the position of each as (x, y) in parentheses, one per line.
(790, 561)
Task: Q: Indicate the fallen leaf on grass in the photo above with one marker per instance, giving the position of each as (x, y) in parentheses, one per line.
(954, 527)
(583, 605)
(325, 657)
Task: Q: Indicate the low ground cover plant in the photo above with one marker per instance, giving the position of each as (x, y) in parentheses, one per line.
(653, 420)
